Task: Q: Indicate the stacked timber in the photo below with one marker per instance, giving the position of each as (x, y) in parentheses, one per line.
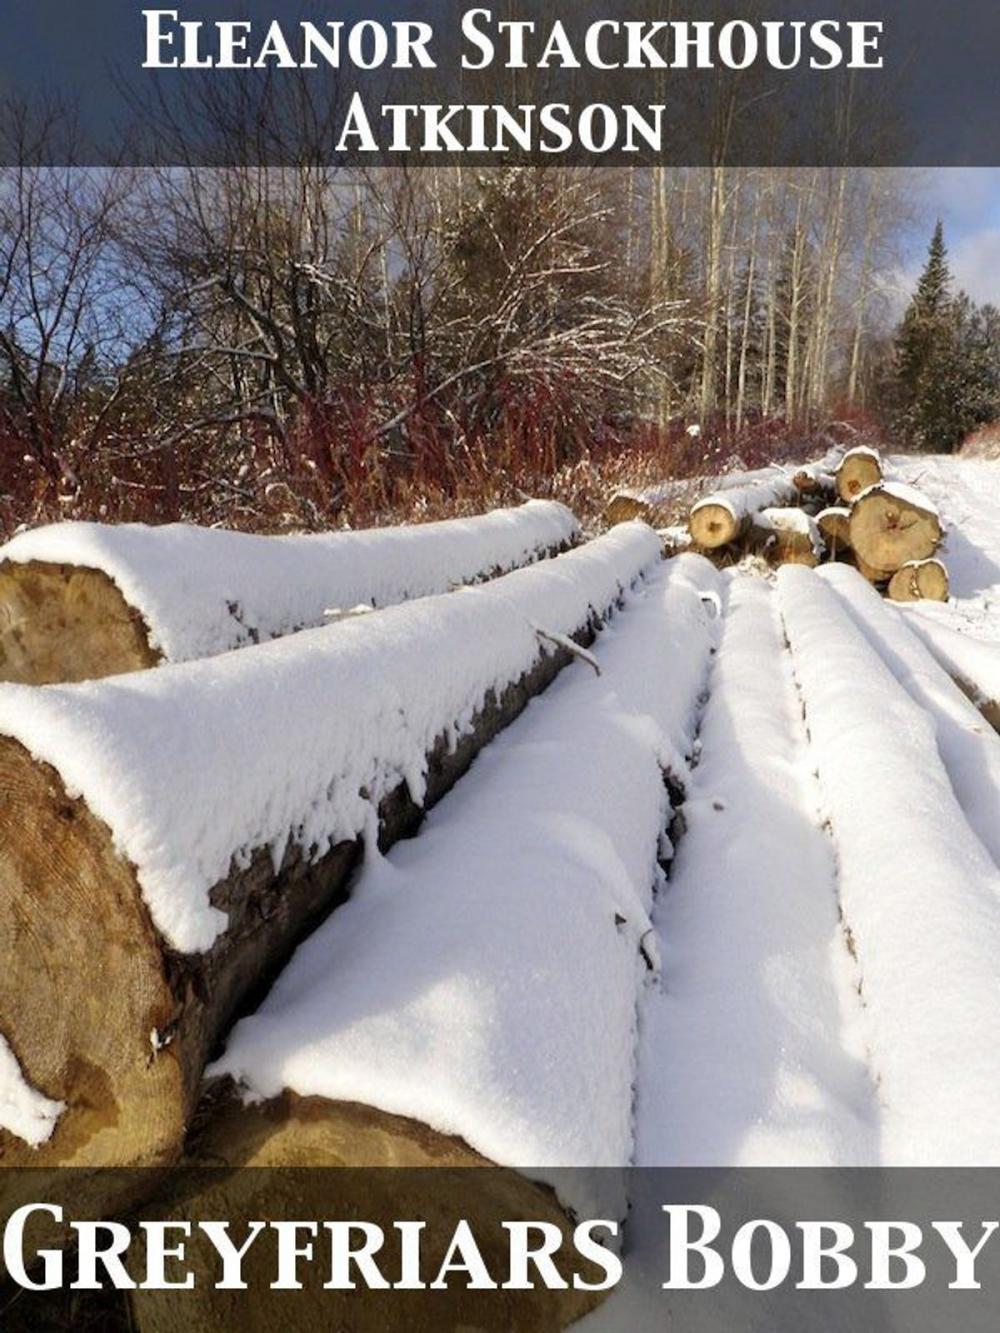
(728, 516)
(888, 530)
(79, 601)
(167, 838)
(808, 484)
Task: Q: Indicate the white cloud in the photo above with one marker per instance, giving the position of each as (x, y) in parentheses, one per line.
(974, 260)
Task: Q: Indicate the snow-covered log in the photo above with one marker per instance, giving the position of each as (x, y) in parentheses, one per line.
(891, 525)
(624, 506)
(974, 664)
(475, 1002)
(788, 537)
(169, 836)
(725, 516)
(920, 894)
(746, 1049)
(920, 581)
(80, 601)
(835, 527)
(483, 985)
(859, 469)
(969, 748)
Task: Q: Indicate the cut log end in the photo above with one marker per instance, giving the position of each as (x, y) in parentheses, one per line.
(857, 471)
(873, 575)
(835, 526)
(713, 525)
(65, 623)
(624, 508)
(887, 530)
(294, 1131)
(924, 580)
(783, 547)
(73, 932)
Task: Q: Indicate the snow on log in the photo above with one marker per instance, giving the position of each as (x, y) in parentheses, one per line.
(660, 499)
(891, 525)
(475, 1001)
(974, 664)
(919, 581)
(920, 894)
(859, 469)
(788, 537)
(835, 527)
(166, 838)
(724, 516)
(485, 986)
(745, 1049)
(817, 481)
(80, 601)
(969, 748)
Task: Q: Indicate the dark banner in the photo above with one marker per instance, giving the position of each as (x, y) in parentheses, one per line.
(205, 82)
(437, 1249)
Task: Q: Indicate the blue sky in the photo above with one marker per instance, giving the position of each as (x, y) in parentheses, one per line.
(967, 199)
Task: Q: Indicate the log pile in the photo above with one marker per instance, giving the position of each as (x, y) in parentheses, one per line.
(534, 1045)
(112, 1019)
(110, 1005)
(839, 508)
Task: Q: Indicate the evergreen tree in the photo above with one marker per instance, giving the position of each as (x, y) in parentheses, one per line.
(945, 368)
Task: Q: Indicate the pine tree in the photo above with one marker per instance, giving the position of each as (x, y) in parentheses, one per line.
(945, 372)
